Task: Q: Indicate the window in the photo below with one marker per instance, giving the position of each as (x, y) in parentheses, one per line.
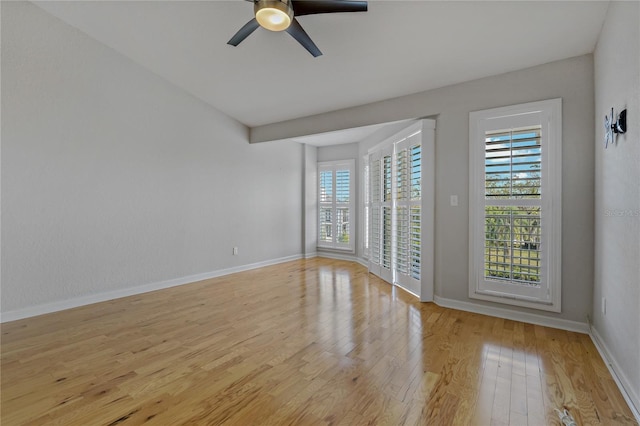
(395, 173)
(515, 209)
(336, 209)
(367, 207)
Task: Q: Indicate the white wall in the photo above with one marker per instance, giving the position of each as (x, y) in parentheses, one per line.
(571, 80)
(113, 178)
(617, 203)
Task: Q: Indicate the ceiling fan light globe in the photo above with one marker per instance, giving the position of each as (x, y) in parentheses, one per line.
(274, 15)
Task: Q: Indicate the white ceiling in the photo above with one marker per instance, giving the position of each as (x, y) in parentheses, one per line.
(396, 48)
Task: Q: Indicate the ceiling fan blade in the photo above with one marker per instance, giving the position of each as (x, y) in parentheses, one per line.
(311, 7)
(244, 32)
(297, 32)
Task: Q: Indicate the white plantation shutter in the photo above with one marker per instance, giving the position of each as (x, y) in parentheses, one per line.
(326, 207)
(515, 158)
(387, 215)
(396, 202)
(512, 230)
(367, 208)
(375, 179)
(381, 229)
(415, 238)
(335, 189)
(408, 206)
(415, 218)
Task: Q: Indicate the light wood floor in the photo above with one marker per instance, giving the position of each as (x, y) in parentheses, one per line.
(306, 342)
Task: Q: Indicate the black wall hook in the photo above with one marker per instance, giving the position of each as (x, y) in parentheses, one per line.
(620, 125)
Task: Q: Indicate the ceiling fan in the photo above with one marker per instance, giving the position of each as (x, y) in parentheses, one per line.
(280, 15)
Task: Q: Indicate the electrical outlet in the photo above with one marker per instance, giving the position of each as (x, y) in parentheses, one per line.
(235, 251)
(604, 306)
(454, 200)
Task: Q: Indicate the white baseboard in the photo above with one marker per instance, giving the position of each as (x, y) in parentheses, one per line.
(338, 256)
(47, 308)
(311, 255)
(560, 323)
(623, 382)
(342, 256)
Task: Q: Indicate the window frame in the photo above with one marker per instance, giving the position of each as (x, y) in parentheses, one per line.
(366, 182)
(547, 114)
(333, 167)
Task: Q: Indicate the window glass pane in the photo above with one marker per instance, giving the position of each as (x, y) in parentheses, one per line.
(375, 234)
(416, 172)
(326, 186)
(512, 244)
(342, 186)
(402, 239)
(402, 174)
(386, 191)
(375, 181)
(512, 164)
(325, 224)
(342, 223)
(386, 237)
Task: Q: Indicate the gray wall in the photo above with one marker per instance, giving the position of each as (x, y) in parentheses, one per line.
(114, 178)
(617, 203)
(571, 80)
(310, 200)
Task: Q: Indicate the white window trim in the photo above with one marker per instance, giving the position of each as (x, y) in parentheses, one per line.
(479, 123)
(339, 165)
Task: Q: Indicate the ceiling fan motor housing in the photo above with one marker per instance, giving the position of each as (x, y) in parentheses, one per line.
(274, 15)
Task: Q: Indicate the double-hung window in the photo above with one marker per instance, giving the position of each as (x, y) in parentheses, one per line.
(336, 204)
(515, 209)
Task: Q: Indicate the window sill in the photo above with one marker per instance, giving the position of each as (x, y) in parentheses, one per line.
(507, 300)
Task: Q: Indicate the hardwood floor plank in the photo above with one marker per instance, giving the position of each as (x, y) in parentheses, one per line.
(308, 342)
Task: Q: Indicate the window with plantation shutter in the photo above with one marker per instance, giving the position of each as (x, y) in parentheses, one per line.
(374, 227)
(336, 198)
(408, 205)
(367, 208)
(396, 170)
(515, 160)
